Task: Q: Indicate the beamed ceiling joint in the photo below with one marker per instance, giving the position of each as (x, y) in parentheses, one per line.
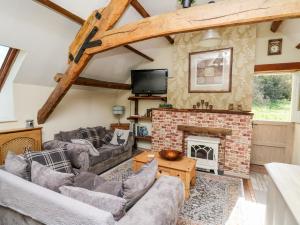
(216, 15)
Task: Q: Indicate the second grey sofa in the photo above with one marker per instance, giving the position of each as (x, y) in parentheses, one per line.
(109, 155)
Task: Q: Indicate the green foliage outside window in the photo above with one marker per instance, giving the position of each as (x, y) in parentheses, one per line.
(272, 97)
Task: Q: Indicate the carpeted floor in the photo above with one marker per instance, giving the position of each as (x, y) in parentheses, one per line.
(211, 201)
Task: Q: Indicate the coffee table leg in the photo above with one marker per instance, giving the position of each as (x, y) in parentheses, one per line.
(193, 180)
(187, 185)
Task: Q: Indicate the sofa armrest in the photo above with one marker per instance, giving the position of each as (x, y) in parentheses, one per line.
(160, 205)
(46, 206)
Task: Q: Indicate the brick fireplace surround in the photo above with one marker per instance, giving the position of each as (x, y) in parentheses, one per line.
(235, 149)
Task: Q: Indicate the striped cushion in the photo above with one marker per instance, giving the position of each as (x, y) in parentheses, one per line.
(58, 159)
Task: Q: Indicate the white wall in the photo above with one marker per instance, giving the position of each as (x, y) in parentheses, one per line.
(79, 108)
(289, 51)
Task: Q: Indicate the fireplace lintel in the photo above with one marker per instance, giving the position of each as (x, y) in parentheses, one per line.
(205, 130)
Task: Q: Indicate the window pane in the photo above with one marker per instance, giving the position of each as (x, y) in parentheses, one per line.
(3, 53)
(272, 97)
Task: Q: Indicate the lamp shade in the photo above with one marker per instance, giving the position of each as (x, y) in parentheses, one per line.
(118, 110)
(210, 38)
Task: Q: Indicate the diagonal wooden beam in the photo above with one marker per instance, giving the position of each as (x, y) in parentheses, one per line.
(82, 81)
(109, 16)
(61, 10)
(220, 14)
(80, 21)
(298, 46)
(275, 25)
(142, 11)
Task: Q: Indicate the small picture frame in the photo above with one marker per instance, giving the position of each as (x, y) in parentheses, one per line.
(275, 47)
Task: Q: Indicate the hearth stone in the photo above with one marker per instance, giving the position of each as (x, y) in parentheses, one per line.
(205, 150)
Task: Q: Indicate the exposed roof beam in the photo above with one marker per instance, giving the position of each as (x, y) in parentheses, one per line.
(298, 46)
(61, 10)
(96, 83)
(220, 14)
(138, 53)
(275, 25)
(269, 68)
(142, 11)
(109, 17)
(6, 65)
(81, 21)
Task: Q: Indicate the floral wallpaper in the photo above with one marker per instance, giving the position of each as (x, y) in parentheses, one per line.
(243, 41)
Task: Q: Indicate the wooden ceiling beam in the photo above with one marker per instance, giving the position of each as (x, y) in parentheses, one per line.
(220, 14)
(81, 21)
(275, 25)
(6, 65)
(61, 10)
(96, 83)
(109, 16)
(282, 67)
(142, 11)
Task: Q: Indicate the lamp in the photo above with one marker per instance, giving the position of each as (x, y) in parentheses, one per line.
(211, 37)
(118, 110)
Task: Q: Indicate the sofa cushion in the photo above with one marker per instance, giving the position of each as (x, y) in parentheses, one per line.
(114, 205)
(16, 165)
(138, 184)
(107, 137)
(68, 135)
(109, 187)
(92, 134)
(104, 154)
(58, 159)
(92, 150)
(49, 178)
(120, 137)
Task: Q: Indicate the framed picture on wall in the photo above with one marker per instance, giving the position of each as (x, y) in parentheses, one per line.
(210, 71)
(275, 47)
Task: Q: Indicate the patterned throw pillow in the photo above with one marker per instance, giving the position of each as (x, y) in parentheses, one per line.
(92, 150)
(120, 137)
(91, 134)
(107, 138)
(58, 159)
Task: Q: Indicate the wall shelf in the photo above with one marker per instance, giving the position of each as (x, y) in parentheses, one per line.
(144, 138)
(136, 117)
(160, 98)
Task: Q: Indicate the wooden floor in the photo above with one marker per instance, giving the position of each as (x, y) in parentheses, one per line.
(255, 188)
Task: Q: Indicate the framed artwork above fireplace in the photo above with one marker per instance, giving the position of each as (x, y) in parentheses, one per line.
(210, 71)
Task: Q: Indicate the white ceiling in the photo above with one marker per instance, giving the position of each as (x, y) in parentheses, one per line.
(45, 37)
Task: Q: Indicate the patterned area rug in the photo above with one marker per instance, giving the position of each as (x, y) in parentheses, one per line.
(211, 200)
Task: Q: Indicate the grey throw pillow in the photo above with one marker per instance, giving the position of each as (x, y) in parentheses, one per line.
(109, 187)
(84, 142)
(16, 165)
(49, 178)
(138, 184)
(114, 205)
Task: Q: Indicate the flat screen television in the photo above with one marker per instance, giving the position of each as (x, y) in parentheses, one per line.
(154, 81)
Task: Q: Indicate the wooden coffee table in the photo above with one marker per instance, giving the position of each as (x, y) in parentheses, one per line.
(185, 168)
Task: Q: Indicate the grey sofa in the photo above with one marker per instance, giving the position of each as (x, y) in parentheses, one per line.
(25, 203)
(109, 155)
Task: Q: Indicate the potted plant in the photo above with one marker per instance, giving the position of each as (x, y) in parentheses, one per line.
(186, 3)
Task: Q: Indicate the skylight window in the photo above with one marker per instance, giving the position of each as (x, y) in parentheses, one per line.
(3, 53)
(8, 72)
